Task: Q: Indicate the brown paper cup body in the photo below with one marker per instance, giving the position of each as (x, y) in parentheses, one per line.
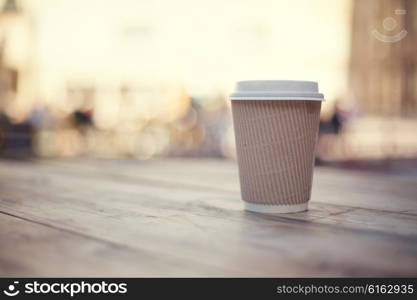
(275, 144)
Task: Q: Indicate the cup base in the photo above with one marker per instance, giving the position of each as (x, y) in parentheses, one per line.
(276, 209)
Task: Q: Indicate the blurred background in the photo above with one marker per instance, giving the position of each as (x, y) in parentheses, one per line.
(149, 78)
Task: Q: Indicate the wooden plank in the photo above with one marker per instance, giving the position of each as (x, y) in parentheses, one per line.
(324, 211)
(192, 225)
(339, 187)
(31, 249)
(341, 215)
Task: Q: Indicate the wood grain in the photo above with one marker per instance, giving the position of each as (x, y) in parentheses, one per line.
(31, 249)
(184, 218)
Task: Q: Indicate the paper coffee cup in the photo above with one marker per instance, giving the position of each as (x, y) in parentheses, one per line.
(276, 125)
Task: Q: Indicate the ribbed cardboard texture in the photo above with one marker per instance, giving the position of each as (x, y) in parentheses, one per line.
(275, 144)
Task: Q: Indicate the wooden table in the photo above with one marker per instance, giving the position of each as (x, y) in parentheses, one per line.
(92, 217)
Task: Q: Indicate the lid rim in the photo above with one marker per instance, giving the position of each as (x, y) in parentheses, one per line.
(277, 81)
(276, 90)
(260, 98)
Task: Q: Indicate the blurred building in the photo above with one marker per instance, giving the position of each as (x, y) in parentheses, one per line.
(383, 83)
(384, 57)
(9, 70)
(143, 70)
(149, 78)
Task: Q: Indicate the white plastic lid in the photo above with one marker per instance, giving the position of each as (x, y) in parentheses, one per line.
(276, 90)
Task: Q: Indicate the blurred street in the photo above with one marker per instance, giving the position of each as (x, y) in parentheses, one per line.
(109, 81)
